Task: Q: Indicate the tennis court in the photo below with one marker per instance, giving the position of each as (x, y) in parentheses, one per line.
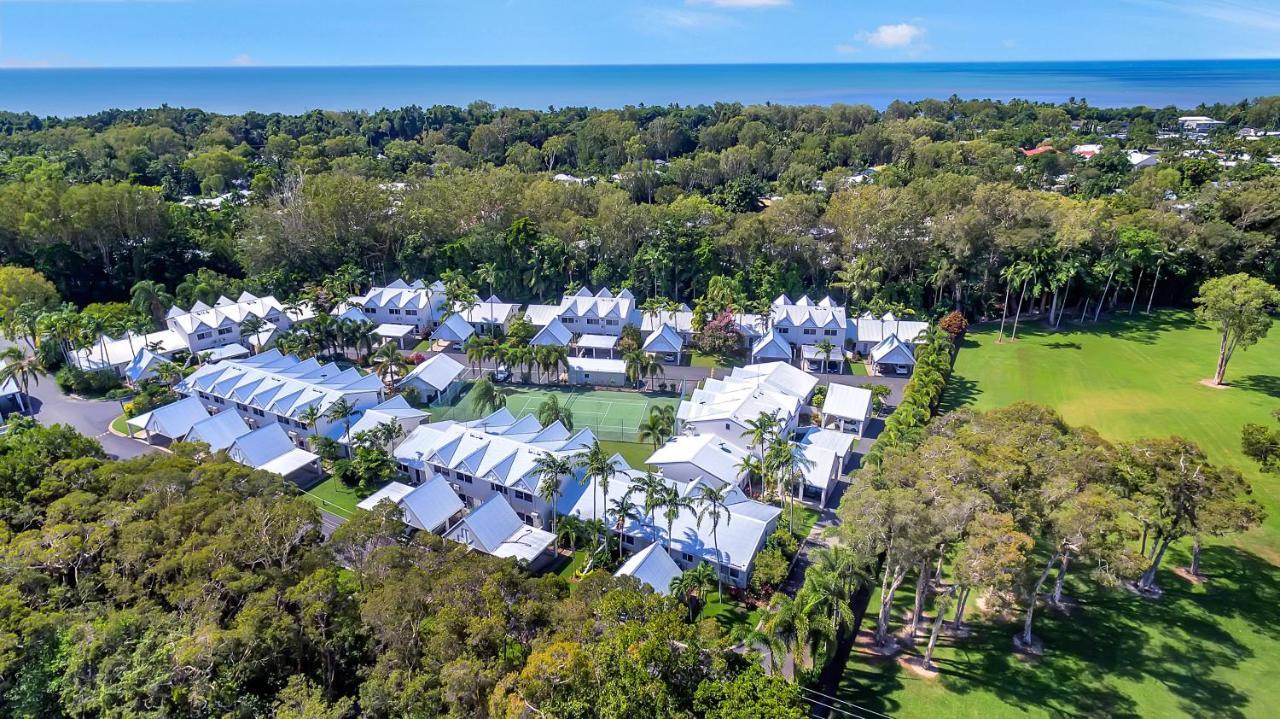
(611, 415)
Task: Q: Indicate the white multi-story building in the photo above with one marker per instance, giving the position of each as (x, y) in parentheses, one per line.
(272, 388)
(494, 455)
(403, 303)
(215, 330)
(583, 313)
(726, 407)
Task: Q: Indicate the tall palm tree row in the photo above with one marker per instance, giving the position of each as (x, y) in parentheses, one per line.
(549, 468)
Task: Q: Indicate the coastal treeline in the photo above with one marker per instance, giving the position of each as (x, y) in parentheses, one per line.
(171, 586)
(928, 206)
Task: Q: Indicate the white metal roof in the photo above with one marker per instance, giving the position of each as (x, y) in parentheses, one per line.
(393, 330)
(771, 346)
(454, 329)
(599, 342)
(847, 402)
(494, 528)
(437, 372)
(172, 420)
(664, 339)
(892, 350)
(391, 491)
(283, 385)
(597, 364)
(652, 566)
(713, 456)
(553, 333)
(218, 431)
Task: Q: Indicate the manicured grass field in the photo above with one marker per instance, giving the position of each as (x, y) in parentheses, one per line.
(334, 496)
(1210, 650)
(120, 424)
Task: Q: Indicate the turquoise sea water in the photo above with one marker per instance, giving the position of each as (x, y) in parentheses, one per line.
(1184, 83)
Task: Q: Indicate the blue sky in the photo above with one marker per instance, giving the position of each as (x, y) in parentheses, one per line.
(105, 33)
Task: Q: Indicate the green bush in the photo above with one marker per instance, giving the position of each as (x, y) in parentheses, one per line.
(770, 569)
(89, 384)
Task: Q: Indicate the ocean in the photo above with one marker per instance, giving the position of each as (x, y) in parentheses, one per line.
(1183, 83)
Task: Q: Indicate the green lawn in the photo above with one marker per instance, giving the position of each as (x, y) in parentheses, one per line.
(857, 368)
(1208, 650)
(119, 425)
(634, 452)
(334, 496)
(728, 612)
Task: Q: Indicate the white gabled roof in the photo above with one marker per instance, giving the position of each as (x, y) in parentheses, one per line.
(652, 566)
(233, 312)
(430, 505)
(172, 420)
(494, 528)
(402, 295)
(771, 346)
(874, 329)
(218, 431)
(453, 329)
(268, 448)
(107, 352)
(839, 442)
(283, 384)
(396, 409)
(777, 376)
(144, 365)
(712, 455)
(892, 350)
(553, 334)
(740, 534)
(804, 312)
(490, 311)
(847, 402)
(391, 491)
(499, 448)
(437, 372)
(664, 339)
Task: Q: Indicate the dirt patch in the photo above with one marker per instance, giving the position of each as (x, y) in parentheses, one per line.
(1186, 575)
(866, 645)
(1214, 385)
(916, 666)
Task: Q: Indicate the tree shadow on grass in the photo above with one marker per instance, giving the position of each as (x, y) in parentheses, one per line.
(1263, 383)
(961, 392)
(1141, 328)
(1114, 649)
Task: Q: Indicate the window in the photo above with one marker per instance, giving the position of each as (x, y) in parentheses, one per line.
(411, 313)
(524, 518)
(586, 375)
(241, 407)
(810, 331)
(733, 573)
(726, 425)
(259, 412)
(829, 333)
(204, 335)
(591, 321)
(393, 312)
(688, 558)
(219, 400)
(463, 478)
(368, 310)
(203, 395)
(524, 496)
(224, 330)
(500, 489)
(611, 323)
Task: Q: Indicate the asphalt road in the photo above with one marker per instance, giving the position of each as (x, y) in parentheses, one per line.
(89, 417)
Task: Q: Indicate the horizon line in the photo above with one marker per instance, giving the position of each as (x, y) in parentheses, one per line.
(507, 66)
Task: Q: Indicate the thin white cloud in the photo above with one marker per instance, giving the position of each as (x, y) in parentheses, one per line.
(897, 36)
(244, 59)
(740, 3)
(691, 19)
(1230, 12)
(845, 48)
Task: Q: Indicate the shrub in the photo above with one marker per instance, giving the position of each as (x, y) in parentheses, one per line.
(90, 384)
(770, 569)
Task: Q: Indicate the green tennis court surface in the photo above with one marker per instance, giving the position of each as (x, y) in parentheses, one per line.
(611, 415)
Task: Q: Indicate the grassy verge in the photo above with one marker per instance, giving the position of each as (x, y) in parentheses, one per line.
(729, 612)
(334, 496)
(120, 424)
(634, 452)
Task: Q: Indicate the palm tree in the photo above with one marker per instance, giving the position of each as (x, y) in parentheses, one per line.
(552, 411)
(549, 468)
(826, 599)
(693, 585)
(784, 624)
(654, 489)
(476, 348)
(251, 328)
(788, 464)
(622, 510)
(19, 367)
(150, 298)
(341, 411)
(672, 503)
(760, 431)
(311, 416)
(658, 426)
(389, 364)
(569, 530)
(826, 348)
(711, 503)
(487, 396)
(598, 465)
